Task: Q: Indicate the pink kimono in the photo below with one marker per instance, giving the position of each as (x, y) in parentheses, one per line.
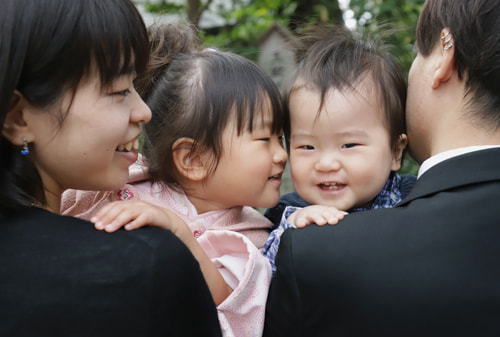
(232, 238)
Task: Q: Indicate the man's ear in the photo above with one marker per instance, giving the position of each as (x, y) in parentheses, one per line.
(189, 162)
(446, 63)
(397, 152)
(15, 127)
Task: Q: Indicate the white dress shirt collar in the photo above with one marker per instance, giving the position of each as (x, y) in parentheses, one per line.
(440, 157)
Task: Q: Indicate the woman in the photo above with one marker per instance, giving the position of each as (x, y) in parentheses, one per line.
(71, 119)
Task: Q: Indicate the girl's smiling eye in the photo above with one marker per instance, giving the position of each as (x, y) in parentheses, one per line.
(281, 139)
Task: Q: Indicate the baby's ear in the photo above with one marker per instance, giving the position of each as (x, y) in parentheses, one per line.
(188, 160)
(397, 152)
(15, 127)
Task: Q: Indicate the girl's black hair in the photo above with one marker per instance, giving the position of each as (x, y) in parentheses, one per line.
(196, 95)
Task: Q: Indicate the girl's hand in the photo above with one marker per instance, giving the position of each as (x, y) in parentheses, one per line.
(132, 214)
(316, 214)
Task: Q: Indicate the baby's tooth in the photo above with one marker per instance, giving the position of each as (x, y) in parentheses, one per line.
(128, 147)
(121, 147)
(136, 144)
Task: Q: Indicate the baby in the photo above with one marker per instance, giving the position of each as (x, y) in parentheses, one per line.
(346, 134)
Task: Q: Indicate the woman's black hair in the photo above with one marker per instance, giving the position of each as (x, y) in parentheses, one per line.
(46, 48)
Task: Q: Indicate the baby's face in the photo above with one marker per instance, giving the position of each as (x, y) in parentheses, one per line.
(341, 158)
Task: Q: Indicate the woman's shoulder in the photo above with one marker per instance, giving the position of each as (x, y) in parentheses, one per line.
(34, 226)
(64, 259)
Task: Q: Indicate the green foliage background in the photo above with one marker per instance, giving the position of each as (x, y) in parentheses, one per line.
(246, 21)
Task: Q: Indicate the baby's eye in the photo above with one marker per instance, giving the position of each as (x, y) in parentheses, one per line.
(348, 146)
(265, 139)
(306, 147)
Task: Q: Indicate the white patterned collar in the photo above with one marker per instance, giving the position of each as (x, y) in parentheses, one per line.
(440, 157)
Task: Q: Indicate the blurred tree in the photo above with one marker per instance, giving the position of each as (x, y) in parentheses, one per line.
(399, 15)
(244, 21)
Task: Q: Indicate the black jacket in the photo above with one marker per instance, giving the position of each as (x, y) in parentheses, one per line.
(61, 277)
(428, 267)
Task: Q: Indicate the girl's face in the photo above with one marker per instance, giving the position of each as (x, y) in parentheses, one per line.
(343, 157)
(97, 141)
(250, 168)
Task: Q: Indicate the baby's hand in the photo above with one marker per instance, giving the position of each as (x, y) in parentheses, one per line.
(320, 215)
(132, 214)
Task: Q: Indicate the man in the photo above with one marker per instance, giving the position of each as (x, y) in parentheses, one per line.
(430, 266)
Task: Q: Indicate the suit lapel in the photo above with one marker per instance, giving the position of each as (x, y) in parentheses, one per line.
(471, 168)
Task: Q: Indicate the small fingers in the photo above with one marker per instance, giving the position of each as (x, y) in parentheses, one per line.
(106, 215)
(333, 217)
(140, 221)
(318, 215)
(119, 214)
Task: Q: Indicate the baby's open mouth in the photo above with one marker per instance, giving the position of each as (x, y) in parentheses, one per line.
(330, 186)
(133, 145)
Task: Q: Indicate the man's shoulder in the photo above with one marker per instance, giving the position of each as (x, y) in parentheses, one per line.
(354, 229)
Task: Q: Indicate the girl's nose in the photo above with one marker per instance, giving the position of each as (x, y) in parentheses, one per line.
(280, 155)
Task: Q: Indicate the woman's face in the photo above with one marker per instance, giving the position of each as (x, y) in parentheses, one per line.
(97, 141)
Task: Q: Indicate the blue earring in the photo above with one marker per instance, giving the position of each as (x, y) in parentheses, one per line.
(25, 149)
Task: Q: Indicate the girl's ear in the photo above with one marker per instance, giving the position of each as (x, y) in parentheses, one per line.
(15, 127)
(189, 162)
(397, 152)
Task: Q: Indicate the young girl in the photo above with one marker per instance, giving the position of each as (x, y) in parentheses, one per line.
(69, 117)
(213, 145)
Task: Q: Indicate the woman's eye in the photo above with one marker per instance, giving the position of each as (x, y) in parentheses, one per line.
(267, 139)
(122, 93)
(348, 146)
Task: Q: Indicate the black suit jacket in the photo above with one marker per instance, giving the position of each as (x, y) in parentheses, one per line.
(428, 267)
(61, 277)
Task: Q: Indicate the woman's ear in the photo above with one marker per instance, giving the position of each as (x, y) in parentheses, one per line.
(189, 162)
(446, 63)
(15, 128)
(397, 152)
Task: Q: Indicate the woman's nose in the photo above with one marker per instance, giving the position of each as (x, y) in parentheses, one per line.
(141, 113)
